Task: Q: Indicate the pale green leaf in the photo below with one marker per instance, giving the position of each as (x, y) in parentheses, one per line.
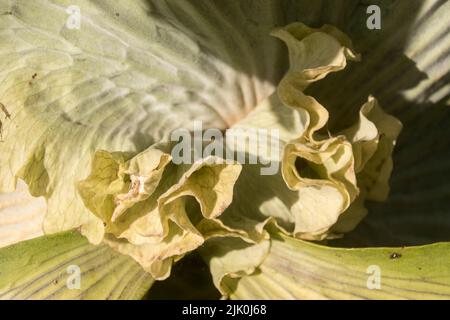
(42, 269)
(295, 269)
(130, 75)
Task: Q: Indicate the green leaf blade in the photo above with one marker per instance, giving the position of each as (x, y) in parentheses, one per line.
(301, 270)
(38, 269)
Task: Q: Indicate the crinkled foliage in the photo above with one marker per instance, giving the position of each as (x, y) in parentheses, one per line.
(89, 113)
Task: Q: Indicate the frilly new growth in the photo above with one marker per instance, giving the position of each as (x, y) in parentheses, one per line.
(144, 205)
(157, 212)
